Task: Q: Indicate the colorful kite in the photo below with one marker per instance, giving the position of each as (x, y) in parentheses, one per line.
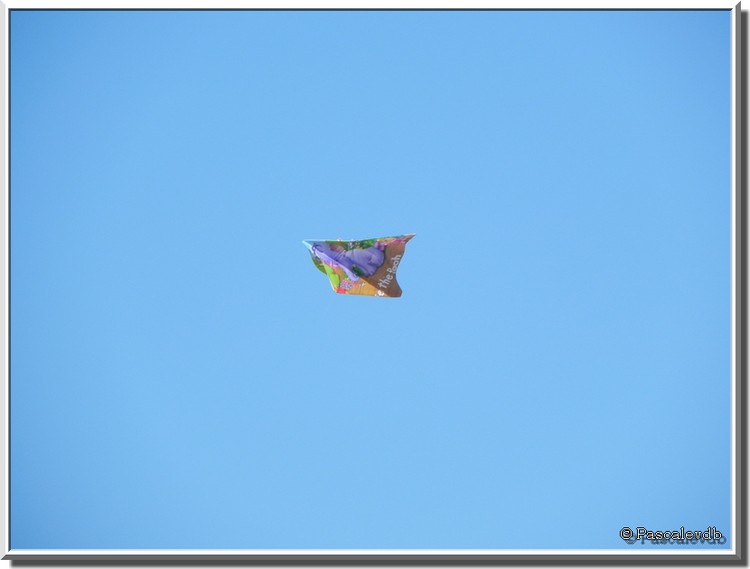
(366, 267)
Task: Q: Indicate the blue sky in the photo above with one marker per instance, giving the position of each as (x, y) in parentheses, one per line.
(558, 366)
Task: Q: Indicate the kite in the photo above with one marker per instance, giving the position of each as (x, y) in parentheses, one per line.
(366, 267)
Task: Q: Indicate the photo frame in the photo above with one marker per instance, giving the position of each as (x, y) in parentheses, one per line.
(338, 95)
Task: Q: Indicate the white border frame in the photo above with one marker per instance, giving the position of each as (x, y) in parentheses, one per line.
(737, 304)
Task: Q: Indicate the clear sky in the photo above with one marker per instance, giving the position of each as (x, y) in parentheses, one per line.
(558, 366)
